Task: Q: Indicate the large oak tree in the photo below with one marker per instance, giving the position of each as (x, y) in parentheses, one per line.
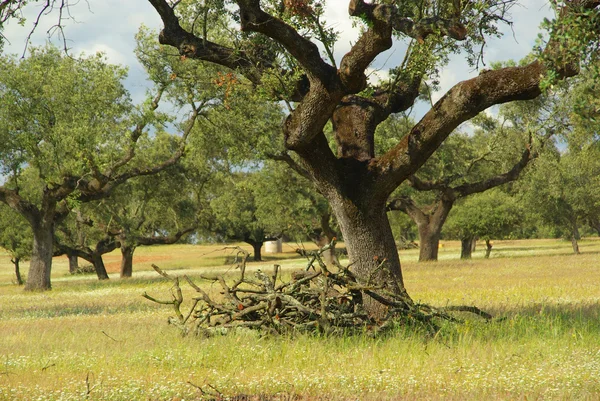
(355, 180)
(277, 51)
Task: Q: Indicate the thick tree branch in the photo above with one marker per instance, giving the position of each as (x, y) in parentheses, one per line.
(191, 46)
(105, 245)
(468, 98)
(421, 185)
(461, 103)
(500, 179)
(17, 203)
(254, 19)
(167, 239)
(384, 19)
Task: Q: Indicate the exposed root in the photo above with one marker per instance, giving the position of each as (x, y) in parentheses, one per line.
(313, 301)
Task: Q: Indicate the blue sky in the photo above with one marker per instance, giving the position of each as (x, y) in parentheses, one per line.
(110, 25)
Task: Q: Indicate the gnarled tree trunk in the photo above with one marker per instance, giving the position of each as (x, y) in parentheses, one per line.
(575, 236)
(429, 243)
(99, 266)
(428, 223)
(370, 242)
(256, 247)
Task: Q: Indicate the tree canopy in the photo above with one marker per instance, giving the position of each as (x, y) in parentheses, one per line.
(70, 135)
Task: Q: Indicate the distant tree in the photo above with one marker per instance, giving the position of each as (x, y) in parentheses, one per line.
(289, 203)
(80, 236)
(563, 190)
(15, 237)
(235, 210)
(70, 123)
(489, 215)
(156, 210)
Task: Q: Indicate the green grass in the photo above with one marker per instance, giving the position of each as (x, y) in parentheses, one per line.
(94, 340)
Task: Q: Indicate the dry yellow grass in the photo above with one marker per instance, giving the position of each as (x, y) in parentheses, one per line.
(101, 341)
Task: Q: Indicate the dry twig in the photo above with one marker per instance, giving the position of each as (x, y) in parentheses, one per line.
(322, 300)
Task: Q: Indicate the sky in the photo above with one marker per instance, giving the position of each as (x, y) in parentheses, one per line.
(110, 25)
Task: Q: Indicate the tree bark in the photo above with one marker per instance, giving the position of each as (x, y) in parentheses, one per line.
(575, 245)
(429, 224)
(370, 242)
(99, 266)
(488, 248)
(127, 261)
(575, 236)
(429, 242)
(257, 249)
(40, 266)
(16, 262)
(466, 248)
(73, 263)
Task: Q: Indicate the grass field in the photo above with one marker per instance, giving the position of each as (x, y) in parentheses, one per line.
(94, 340)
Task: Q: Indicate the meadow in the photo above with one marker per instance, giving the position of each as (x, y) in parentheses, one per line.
(91, 340)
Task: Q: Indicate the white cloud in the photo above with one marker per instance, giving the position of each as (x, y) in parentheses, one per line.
(110, 26)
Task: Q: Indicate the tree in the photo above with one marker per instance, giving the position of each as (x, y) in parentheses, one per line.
(70, 124)
(563, 191)
(81, 237)
(356, 181)
(291, 205)
(15, 237)
(235, 211)
(489, 215)
(156, 210)
(464, 165)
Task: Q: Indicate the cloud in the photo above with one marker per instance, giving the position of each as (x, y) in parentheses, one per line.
(110, 26)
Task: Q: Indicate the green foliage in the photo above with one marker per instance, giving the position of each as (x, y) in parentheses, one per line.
(228, 100)
(49, 114)
(577, 36)
(265, 203)
(564, 190)
(490, 215)
(15, 233)
(157, 206)
(288, 203)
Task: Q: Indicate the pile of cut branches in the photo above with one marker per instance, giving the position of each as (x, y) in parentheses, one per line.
(315, 299)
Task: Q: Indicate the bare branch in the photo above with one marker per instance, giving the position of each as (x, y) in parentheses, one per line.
(254, 19)
(198, 48)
